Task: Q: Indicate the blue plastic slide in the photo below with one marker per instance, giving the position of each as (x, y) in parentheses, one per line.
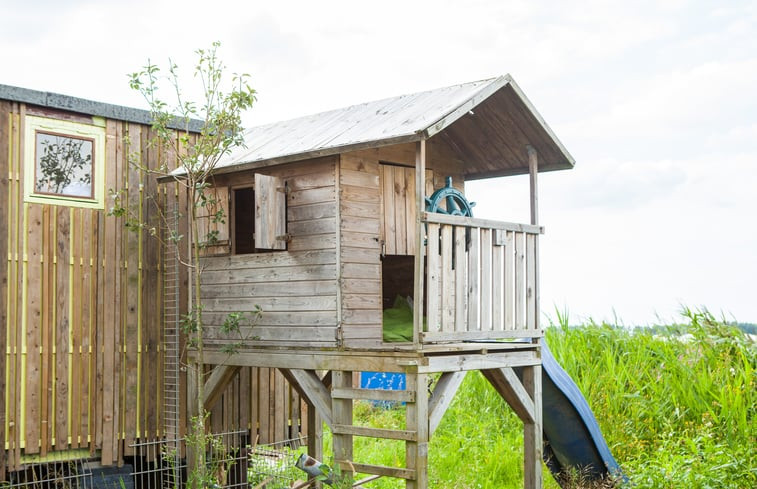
(571, 434)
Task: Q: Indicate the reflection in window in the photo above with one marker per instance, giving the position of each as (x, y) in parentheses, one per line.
(63, 165)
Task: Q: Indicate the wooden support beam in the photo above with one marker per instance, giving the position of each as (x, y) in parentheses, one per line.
(343, 429)
(507, 384)
(396, 472)
(441, 398)
(342, 413)
(533, 171)
(310, 386)
(417, 419)
(374, 395)
(217, 382)
(420, 229)
(532, 431)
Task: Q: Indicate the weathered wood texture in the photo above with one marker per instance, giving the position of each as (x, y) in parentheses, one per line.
(360, 250)
(481, 279)
(377, 213)
(82, 313)
(296, 288)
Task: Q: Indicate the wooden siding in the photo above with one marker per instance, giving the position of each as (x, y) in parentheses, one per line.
(377, 215)
(262, 401)
(296, 288)
(360, 250)
(80, 332)
(81, 311)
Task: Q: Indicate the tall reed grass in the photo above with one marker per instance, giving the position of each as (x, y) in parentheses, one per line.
(676, 405)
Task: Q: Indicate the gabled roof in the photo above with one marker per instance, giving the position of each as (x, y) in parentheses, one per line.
(488, 123)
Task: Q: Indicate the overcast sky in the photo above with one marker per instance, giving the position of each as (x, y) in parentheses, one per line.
(655, 100)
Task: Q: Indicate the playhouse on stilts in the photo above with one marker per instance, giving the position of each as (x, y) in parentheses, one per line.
(336, 217)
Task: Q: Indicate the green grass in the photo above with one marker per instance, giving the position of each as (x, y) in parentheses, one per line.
(676, 411)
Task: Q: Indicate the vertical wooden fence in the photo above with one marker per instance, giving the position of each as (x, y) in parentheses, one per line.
(81, 312)
(481, 279)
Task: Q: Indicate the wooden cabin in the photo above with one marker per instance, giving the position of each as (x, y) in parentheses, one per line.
(329, 227)
(87, 369)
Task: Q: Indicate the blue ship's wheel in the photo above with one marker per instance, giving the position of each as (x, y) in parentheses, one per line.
(455, 203)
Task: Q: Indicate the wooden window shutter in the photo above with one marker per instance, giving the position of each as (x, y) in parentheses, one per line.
(205, 219)
(270, 213)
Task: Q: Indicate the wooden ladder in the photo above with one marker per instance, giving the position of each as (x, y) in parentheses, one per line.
(415, 435)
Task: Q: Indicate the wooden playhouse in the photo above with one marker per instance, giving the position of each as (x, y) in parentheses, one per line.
(329, 222)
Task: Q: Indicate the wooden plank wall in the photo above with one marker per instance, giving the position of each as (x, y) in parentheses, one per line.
(81, 307)
(296, 289)
(78, 315)
(262, 401)
(377, 215)
(360, 250)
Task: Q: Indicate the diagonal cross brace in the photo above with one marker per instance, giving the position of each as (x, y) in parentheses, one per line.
(312, 388)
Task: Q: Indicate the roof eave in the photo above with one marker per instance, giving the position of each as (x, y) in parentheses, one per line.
(295, 157)
(470, 104)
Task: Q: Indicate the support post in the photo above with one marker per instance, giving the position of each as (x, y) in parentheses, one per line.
(315, 433)
(417, 419)
(420, 236)
(341, 410)
(532, 432)
(533, 171)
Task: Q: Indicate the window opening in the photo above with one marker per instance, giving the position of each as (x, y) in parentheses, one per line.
(244, 220)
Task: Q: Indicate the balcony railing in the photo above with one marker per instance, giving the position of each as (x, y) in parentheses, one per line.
(481, 279)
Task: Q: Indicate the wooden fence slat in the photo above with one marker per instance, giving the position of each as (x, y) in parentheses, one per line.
(5, 129)
(460, 261)
(110, 310)
(87, 301)
(18, 256)
(280, 413)
(33, 330)
(509, 259)
(94, 316)
(486, 279)
(150, 270)
(133, 277)
(264, 385)
(531, 311)
(474, 280)
(75, 335)
(434, 279)
(255, 403)
(520, 279)
(62, 325)
(448, 282)
(47, 319)
(497, 287)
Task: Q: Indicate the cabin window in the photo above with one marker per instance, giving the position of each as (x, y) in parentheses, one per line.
(244, 220)
(64, 162)
(259, 216)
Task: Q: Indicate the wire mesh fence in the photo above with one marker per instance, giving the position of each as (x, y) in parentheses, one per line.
(161, 464)
(63, 474)
(271, 466)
